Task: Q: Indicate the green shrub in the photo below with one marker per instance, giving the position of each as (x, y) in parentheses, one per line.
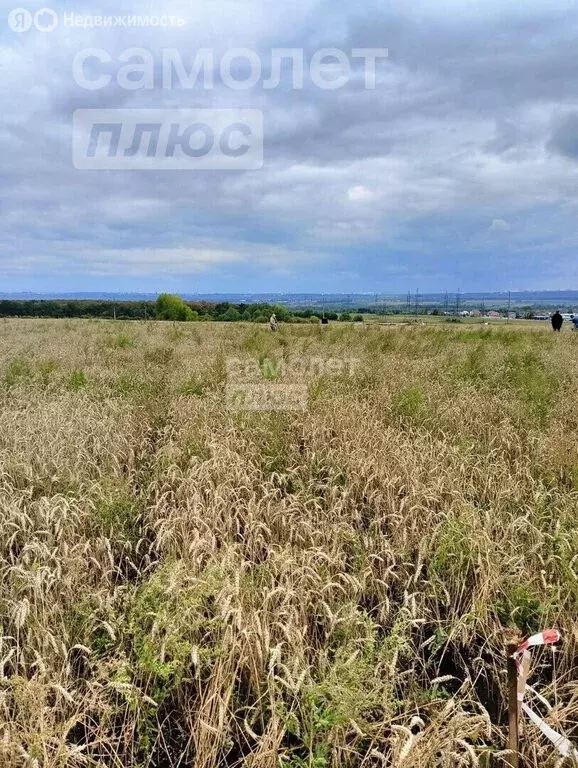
(46, 368)
(18, 371)
(172, 613)
(119, 517)
(123, 341)
(120, 341)
(170, 307)
(408, 404)
(521, 607)
(76, 380)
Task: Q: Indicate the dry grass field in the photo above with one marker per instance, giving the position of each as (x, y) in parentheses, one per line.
(184, 584)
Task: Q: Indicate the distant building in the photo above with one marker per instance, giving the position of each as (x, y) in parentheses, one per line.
(493, 313)
(475, 313)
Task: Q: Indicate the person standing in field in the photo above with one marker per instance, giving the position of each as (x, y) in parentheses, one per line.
(557, 320)
(273, 322)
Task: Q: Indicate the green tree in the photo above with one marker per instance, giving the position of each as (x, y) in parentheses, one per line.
(282, 313)
(231, 315)
(169, 307)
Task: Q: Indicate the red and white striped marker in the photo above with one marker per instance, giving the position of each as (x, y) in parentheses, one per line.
(522, 658)
(542, 638)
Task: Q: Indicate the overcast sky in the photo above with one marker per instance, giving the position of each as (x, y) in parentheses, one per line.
(459, 170)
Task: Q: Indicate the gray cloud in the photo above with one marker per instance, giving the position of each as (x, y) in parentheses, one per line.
(473, 121)
(564, 139)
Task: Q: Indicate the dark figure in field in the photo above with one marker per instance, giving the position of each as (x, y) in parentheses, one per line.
(557, 321)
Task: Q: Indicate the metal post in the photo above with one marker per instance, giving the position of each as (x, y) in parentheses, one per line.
(513, 709)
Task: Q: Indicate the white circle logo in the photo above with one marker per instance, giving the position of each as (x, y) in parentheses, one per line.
(45, 20)
(19, 20)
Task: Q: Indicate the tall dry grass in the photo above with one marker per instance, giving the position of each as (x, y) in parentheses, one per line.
(184, 585)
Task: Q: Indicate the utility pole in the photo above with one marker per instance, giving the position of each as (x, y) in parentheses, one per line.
(416, 300)
(509, 304)
(446, 302)
(458, 302)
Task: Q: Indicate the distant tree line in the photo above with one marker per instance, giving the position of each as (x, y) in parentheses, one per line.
(169, 307)
(130, 310)
(166, 307)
